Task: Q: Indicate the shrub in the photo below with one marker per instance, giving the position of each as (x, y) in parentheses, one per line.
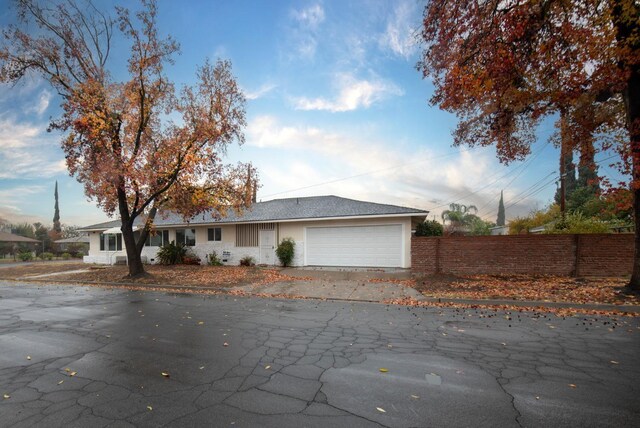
(213, 259)
(46, 256)
(429, 228)
(171, 253)
(578, 223)
(66, 256)
(25, 256)
(285, 251)
(247, 261)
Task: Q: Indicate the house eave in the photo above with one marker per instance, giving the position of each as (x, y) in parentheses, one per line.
(422, 214)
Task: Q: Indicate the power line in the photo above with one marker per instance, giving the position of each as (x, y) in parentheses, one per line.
(524, 166)
(534, 189)
(370, 172)
(529, 161)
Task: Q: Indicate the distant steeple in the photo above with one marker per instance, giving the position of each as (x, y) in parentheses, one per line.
(500, 221)
(56, 213)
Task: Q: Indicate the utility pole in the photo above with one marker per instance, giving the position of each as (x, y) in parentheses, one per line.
(563, 152)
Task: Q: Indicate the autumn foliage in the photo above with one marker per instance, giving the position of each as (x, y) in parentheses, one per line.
(138, 145)
(504, 66)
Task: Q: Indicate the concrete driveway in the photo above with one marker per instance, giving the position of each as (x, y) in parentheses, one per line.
(81, 356)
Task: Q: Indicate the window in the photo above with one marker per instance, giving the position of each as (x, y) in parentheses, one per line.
(214, 234)
(113, 242)
(186, 236)
(158, 239)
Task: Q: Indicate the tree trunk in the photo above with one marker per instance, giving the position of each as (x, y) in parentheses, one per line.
(624, 19)
(134, 259)
(633, 116)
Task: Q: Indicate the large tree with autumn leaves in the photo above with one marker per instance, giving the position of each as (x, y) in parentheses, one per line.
(503, 66)
(138, 145)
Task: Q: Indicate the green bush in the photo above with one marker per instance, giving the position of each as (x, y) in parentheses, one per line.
(285, 251)
(213, 259)
(171, 253)
(46, 256)
(578, 223)
(429, 228)
(247, 261)
(66, 256)
(25, 256)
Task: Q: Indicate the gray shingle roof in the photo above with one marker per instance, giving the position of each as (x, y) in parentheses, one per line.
(308, 208)
(82, 239)
(10, 237)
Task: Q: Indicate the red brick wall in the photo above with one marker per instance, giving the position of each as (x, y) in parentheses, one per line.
(566, 255)
(605, 255)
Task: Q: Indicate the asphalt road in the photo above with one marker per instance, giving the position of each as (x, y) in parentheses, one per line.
(89, 357)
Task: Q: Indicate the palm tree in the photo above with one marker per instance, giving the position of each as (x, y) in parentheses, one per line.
(460, 216)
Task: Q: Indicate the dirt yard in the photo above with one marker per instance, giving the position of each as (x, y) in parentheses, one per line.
(528, 287)
(179, 275)
(501, 287)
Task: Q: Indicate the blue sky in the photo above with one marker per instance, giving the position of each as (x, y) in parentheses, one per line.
(334, 106)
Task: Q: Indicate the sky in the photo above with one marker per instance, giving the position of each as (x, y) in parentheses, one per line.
(335, 106)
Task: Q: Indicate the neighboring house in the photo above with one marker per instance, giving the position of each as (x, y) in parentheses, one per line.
(78, 243)
(10, 243)
(327, 230)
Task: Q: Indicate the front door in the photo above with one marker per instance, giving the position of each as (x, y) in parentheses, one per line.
(267, 247)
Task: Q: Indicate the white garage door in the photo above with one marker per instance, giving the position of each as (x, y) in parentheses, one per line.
(355, 246)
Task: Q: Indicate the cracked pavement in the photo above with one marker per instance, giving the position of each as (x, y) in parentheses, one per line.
(86, 356)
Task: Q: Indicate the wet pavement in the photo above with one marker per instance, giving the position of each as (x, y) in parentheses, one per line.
(85, 356)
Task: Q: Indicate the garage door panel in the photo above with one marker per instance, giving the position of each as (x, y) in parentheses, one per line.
(379, 245)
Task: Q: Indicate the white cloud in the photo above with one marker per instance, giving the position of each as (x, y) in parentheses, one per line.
(399, 36)
(260, 92)
(15, 135)
(40, 104)
(304, 33)
(303, 160)
(352, 94)
(310, 17)
(28, 152)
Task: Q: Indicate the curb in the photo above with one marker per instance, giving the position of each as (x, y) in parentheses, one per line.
(226, 290)
(538, 303)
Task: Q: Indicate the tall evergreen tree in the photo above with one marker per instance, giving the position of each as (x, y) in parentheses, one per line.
(56, 214)
(501, 214)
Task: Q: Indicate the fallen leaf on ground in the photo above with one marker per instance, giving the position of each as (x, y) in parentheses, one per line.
(381, 410)
(73, 373)
(165, 374)
(6, 396)
(201, 367)
(67, 370)
(614, 362)
(572, 385)
(383, 370)
(200, 322)
(415, 396)
(61, 382)
(149, 408)
(267, 367)
(28, 357)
